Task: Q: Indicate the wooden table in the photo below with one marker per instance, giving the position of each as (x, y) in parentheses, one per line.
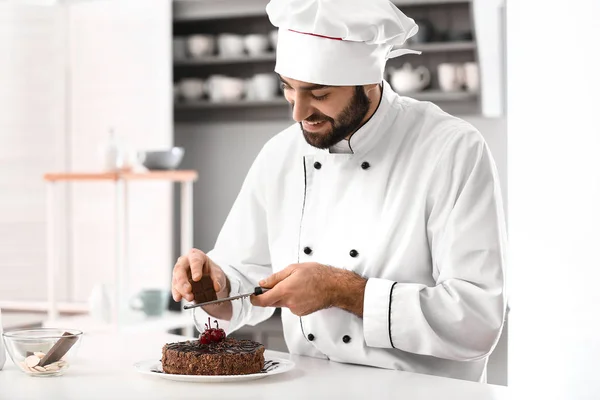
(121, 180)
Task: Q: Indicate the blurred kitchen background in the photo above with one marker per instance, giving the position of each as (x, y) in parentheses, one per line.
(88, 85)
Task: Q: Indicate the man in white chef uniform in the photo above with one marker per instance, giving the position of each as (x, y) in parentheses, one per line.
(375, 219)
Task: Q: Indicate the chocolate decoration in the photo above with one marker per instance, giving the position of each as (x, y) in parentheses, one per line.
(270, 366)
(59, 349)
(226, 345)
(203, 290)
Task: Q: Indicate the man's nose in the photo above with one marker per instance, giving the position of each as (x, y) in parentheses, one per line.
(301, 109)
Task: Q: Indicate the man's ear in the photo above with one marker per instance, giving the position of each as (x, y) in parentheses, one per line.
(369, 88)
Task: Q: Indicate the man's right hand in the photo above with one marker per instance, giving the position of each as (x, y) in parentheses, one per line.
(200, 264)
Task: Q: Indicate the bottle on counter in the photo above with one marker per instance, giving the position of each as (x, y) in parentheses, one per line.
(112, 154)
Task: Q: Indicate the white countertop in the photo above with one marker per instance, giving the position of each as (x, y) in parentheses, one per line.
(103, 370)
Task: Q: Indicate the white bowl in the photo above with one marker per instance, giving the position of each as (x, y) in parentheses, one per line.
(161, 159)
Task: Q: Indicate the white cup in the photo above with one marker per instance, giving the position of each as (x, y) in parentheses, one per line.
(201, 45)
(230, 45)
(472, 76)
(224, 88)
(191, 89)
(262, 87)
(256, 44)
(451, 77)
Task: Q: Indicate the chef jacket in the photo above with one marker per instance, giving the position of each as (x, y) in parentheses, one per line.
(414, 206)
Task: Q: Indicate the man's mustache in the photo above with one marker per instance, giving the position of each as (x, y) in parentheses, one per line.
(318, 118)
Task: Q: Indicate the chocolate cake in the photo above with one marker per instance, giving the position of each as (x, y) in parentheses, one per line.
(227, 356)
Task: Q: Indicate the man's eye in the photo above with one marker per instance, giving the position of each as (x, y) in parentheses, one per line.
(319, 98)
(284, 87)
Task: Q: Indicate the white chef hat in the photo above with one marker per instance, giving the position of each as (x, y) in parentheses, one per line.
(338, 42)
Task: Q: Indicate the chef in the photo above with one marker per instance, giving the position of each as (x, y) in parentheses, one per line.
(375, 219)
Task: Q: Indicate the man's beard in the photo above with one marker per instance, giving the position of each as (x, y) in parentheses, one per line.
(347, 122)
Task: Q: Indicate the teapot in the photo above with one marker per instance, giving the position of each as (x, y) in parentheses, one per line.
(408, 79)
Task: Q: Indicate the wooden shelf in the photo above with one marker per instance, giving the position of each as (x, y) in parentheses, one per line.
(171, 175)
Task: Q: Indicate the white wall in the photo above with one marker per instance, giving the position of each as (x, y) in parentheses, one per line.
(117, 58)
(121, 70)
(554, 198)
(32, 140)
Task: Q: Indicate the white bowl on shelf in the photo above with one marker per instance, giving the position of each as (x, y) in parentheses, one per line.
(161, 159)
(224, 88)
(256, 44)
(191, 89)
(230, 45)
(199, 46)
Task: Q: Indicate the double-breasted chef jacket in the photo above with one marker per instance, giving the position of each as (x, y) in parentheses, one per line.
(412, 202)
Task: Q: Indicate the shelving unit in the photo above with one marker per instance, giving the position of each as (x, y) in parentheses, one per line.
(205, 104)
(249, 16)
(432, 47)
(430, 95)
(216, 60)
(186, 10)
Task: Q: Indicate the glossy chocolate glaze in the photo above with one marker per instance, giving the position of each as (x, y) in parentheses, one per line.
(227, 345)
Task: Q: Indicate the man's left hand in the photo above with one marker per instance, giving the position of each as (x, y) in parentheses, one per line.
(309, 287)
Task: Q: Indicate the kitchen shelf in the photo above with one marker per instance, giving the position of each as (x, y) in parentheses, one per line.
(186, 11)
(216, 60)
(270, 57)
(436, 95)
(443, 46)
(205, 104)
(449, 17)
(427, 95)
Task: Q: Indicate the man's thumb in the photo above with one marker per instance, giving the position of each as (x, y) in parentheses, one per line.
(275, 278)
